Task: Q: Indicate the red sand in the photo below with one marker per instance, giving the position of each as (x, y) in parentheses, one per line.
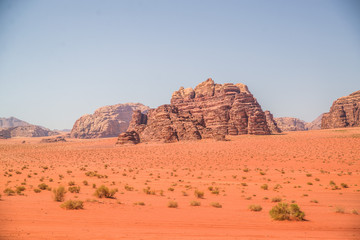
(328, 155)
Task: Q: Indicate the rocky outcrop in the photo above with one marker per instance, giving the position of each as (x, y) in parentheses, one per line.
(290, 124)
(12, 122)
(314, 125)
(26, 131)
(345, 112)
(108, 121)
(208, 111)
(271, 123)
(128, 138)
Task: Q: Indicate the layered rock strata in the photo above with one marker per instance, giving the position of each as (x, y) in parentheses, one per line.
(344, 112)
(271, 123)
(208, 111)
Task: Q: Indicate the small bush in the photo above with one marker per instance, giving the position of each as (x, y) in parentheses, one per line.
(43, 186)
(216, 205)
(36, 190)
(85, 183)
(140, 203)
(255, 208)
(354, 211)
(199, 194)
(71, 183)
(276, 199)
(74, 189)
(195, 203)
(339, 210)
(59, 194)
(264, 186)
(73, 205)
(9, 192)
(20, 189)
(283, 211)
(172, 204)
(344, 185)
(103, 191)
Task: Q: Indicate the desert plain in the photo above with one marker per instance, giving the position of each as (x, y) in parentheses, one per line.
(318, 170)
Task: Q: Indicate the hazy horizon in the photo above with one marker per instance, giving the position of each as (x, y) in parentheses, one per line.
(60, 60)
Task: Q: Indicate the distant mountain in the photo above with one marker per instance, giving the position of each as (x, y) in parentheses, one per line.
(316, 124)
(108, 121)
(295, 124)
(12, 122)
(13, 127)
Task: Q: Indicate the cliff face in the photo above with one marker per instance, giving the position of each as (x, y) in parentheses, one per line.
(345, 112)
(208, 111)
(271, 123)
(108, 121)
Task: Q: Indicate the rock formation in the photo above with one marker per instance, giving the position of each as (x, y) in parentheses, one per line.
(271, 123)
(345, 112)
(12, 122)
(26, 131)
(208, 111)
(108, 121)
(314, 125)
(290, 124)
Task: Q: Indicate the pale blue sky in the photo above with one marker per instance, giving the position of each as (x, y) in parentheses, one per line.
(62, 59)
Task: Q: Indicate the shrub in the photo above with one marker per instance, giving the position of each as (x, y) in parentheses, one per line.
(20, 189)
(74, 189)
(339, 210)
(43, 186)
(172, 204)
(37, 190)
(216, 205)
(103, 191)
(73, 205)
(59, 194)
(276, 199)
(85, 183)
(354, 211)
(264, 186)
(71, 183)
(344, 185)
(199, 194)
(128, 188)
(195, 203)
(140, 203)
(283, 211)
(9, 192)
(255, 208)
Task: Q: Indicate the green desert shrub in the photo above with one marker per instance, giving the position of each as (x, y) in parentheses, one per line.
(59, 194)
(43, 186)
(36, 190)
(255, 208)
(284, 211)
(276, 199)
(103, 191)
(73, 204)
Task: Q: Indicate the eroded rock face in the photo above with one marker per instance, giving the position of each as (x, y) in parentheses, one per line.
(271, 123)
(345, 112)
(208, 111)
(290, 124)
(26, 131)
(314, 125)
(128, 138)
(108, 121)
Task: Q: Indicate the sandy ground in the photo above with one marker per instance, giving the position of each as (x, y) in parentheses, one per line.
(296, 166)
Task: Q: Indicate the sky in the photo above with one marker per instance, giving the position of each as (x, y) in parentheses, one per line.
(62, 59)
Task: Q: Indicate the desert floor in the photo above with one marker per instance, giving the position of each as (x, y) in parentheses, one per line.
(297, 167)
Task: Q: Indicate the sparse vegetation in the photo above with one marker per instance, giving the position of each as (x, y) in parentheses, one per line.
(255, 208)
(276, 199)
(284, 211)
(264, 187)
(9, 192)
(74, 189)
(172, 204)
(199, 194)
(73, 205)
(216, 205)
(195, 203)
(59, 194)
(104, 192)
(43, 186)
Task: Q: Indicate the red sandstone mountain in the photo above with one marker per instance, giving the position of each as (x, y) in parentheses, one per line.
(345, 112)
(208, 111)
(108, 121)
